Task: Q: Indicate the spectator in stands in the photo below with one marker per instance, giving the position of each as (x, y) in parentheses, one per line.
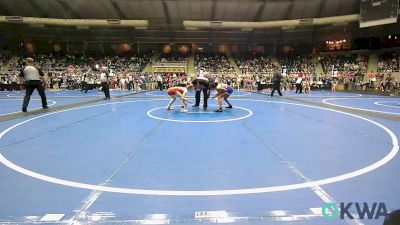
(340, 63)
(307, 85)
(212, 63)
(389, 62)
(334, 85)
(174, 57)
(254, 63)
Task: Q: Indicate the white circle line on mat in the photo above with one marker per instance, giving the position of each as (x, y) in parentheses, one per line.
(391, 106)
(348, 107)
(166, 95)
(11, 113)
(249, 114)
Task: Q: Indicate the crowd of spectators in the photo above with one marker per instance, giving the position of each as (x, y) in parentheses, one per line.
(389, 62)
(389, 83)
(70, 72)
(174, 57)
(165, 80)
(254, 63)
(294, 64)
(213, 63)
(333, 64)
(255, 71)
(3, 61)
(261, 83)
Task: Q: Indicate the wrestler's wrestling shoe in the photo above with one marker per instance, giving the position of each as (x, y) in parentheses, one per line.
(184, 110)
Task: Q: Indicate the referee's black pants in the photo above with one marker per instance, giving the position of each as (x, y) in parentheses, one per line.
(160, 85)
(88, 87)
(83, 85)
(205, 95)
(130, 85)
(30, 86)
(299, 87)
(14, 86)
(106, 89)
(258, 86)
(276, 86)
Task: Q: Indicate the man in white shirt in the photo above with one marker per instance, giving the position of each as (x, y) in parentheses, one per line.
(160, 82)
(299, 84)
(130, 82)
(32, 78)
(14, 82)
(105, 82)
(84, 81)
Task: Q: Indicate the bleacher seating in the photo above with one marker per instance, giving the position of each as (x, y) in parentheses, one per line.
(213, 63)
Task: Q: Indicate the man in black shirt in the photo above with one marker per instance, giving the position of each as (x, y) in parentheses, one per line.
(276, 83)
(201, 84)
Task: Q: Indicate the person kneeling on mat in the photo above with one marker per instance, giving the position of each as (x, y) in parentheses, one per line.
(179, 92)
(223, 92)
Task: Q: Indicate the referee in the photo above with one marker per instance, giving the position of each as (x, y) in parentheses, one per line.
(201, 84)
(32, 77)
(276, 83)
(105, 83)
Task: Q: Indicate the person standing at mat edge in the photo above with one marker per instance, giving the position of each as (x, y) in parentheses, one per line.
(32, 78)
(105, 83)
(276, 80)
(299, 84)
